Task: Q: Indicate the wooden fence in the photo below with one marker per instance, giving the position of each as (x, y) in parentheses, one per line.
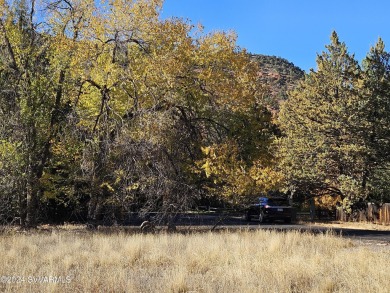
(373, 213)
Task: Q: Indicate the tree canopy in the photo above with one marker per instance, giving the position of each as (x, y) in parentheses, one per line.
(335, 138)
(108, 107)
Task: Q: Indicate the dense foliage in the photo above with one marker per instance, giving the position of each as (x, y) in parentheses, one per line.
(106, 109)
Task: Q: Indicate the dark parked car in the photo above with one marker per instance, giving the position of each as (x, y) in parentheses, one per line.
(270, 209)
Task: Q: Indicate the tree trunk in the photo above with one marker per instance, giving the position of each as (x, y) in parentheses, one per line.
(312, 209)
(23, 208)
(32, 203)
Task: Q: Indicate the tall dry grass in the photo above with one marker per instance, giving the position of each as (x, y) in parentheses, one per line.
(260, 261)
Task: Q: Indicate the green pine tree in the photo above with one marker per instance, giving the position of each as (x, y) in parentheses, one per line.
(376, 85)
(323, 148)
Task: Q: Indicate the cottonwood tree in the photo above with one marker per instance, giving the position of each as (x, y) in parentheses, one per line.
(152, 96)
(241, 164)
(32, 101)
(106, 99)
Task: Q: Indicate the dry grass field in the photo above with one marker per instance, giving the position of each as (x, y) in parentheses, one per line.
(244, 261)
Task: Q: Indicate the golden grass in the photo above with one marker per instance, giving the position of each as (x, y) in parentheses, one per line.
(245, 261)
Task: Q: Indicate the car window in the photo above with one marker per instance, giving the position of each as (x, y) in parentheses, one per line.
(277, 202)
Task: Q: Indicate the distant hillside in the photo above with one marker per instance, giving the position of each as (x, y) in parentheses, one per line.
(279, 74)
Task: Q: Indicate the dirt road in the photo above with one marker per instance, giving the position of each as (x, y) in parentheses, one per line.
(357, 232)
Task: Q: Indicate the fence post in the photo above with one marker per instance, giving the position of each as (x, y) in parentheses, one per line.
(384, 214)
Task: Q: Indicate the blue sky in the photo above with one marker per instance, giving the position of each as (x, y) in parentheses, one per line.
(293, 29)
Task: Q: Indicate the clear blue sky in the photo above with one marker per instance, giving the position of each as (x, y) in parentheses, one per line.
(293, 29)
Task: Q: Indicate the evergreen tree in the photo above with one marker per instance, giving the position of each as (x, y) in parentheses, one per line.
(376, 86)
(323, 150)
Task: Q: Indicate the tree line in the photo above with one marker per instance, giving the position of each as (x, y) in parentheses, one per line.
(106, 109)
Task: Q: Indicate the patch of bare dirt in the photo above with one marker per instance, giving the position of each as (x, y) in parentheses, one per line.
(352, 225)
